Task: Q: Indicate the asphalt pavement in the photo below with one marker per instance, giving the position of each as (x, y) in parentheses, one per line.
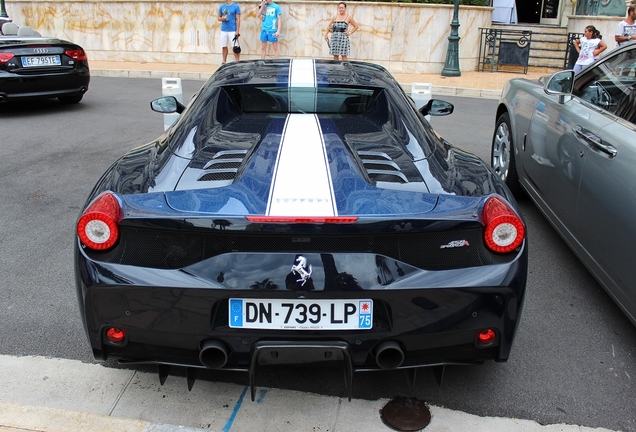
(50, 394)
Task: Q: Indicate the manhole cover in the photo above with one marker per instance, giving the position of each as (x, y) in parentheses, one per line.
(406, 414)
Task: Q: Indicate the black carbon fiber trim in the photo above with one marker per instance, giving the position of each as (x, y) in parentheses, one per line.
(218, 176)
(147, 353)
(176, 249)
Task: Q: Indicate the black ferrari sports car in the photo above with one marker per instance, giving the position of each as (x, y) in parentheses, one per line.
(36, 67)
(300, 211)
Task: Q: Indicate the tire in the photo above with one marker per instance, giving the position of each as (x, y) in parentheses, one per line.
(71, 99)
(502, 156)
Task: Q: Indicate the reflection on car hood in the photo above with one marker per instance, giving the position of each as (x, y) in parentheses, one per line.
(301, 168)
(301, 152)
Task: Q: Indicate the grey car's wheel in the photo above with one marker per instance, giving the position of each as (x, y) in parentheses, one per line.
(502, 155)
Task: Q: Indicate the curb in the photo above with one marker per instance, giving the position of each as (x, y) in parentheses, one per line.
(15, 417)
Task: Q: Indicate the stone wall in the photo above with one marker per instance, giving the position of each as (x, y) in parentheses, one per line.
(404, 37)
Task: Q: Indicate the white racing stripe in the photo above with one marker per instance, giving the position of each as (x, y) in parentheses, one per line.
(302, 73)
(302, 183)
(302, 79)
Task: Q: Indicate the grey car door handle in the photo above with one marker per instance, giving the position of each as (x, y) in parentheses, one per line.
(594, 141)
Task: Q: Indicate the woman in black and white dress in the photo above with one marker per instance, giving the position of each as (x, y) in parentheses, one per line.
(342, 25)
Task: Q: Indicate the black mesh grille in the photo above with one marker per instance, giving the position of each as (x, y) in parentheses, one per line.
(376, 166)
(177, 249)
(386, 177)
(389, 166)
(230, 154)
(227, 165)
(218, 176)
(147, 353)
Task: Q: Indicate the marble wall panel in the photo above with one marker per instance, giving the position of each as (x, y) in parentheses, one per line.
(410, 26)
(403, 37)
(399, 33)
(318, 19)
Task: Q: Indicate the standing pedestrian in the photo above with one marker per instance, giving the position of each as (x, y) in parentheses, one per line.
(270, 26)
(623, 34)
(590, 46)
(230, 17)
(342, 25)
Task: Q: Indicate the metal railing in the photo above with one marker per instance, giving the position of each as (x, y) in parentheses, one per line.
(509, 48)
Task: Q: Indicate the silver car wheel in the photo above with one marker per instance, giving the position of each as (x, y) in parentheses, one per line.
(501, 149)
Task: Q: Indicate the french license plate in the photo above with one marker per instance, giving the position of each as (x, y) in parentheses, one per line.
(301, 314)
(53, 60)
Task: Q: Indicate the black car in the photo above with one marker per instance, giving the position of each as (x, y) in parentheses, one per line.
(35, 67)
(300, 211)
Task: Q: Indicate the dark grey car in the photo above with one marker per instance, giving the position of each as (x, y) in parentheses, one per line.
(569, 142)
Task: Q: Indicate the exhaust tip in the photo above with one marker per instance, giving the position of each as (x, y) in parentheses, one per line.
(213, 354)
(389, 355)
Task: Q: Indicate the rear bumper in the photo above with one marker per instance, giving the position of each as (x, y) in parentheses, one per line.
(17, 87)
(425, 320)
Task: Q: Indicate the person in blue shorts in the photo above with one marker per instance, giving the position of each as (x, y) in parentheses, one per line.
(270, 26)
(230, 18)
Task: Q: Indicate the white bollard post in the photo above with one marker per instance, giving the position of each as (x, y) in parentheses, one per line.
(421, 94)
(171, 87)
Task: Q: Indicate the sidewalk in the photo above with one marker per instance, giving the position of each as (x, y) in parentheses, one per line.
(55, 395)
(487, 85)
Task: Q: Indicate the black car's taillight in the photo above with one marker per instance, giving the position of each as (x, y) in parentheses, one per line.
(98, 227)
(78, 54)
(5, 57)
(504, 230)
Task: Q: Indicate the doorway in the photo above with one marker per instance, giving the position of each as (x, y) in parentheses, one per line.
(528, 11)
(551, 12)
(539, 11)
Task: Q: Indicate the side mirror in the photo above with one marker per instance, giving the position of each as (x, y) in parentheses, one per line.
(560, 83)
(437, 107)
(167, 105)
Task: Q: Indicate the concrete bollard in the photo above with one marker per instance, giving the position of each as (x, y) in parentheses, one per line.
(171, 87)
(421, 93)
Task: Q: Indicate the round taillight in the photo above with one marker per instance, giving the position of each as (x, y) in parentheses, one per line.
(487, 336)
(98, 228)
(504, 230)
(115, 335)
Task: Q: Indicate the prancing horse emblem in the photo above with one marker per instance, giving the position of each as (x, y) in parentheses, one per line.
(301, 269)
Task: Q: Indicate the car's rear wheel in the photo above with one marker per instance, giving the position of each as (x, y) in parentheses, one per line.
(71, 99)
(502, 154)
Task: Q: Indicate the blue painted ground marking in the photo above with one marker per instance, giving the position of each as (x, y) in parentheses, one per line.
(237, 406)
(261, 396)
